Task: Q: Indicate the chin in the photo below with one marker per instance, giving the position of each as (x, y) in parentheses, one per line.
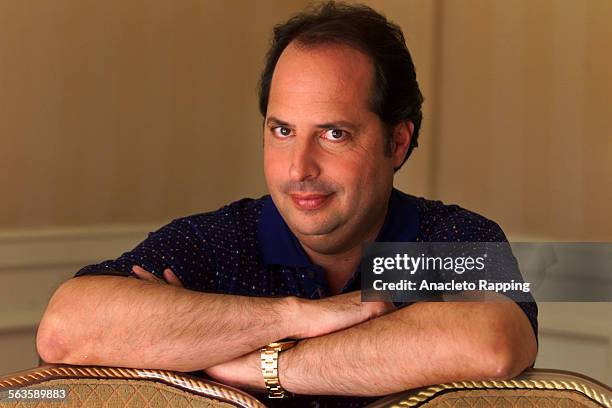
(312, 230)
(325, 244)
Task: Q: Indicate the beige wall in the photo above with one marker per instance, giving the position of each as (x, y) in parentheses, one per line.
(122, 112)
(131, 113)
(525, 134)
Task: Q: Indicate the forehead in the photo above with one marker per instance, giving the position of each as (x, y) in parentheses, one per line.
(321, 78)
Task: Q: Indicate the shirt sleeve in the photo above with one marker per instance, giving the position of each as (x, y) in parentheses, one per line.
(460, 225)
(178, 245)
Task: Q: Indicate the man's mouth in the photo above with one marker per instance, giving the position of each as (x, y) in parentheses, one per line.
(311, 201)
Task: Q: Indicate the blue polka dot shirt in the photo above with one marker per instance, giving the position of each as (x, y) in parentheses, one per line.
(246, 248)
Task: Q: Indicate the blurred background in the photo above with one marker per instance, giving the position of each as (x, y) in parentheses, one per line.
(116, 117)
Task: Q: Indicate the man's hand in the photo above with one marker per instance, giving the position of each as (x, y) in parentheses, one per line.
(334, 313)
(169, 276)
(320, 316)
(243, 372)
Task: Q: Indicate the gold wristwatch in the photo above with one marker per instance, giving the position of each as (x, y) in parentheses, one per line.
(269, 366)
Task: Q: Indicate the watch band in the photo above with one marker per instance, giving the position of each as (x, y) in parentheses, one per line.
(269, 367)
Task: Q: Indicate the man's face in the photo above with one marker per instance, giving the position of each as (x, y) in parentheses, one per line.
(324, 158)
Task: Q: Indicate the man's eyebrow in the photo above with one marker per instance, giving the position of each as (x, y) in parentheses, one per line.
(277, 122)
(338, 124)
(328, 125)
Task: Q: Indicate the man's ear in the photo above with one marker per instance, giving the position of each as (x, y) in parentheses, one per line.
(402, 135)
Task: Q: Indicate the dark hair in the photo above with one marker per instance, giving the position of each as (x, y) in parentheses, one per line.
(396, 96)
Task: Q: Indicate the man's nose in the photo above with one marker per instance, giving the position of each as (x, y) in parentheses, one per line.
(304, 160)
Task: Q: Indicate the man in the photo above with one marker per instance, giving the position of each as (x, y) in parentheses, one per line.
(342, 111)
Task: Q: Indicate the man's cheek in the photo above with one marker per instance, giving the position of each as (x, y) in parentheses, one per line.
(275, 177)
(272, 172)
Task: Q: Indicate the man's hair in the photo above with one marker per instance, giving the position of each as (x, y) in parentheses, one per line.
(395, 97)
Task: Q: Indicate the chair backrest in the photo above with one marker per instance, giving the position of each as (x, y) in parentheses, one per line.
(75, 386)
(533, 388)
(127, 387)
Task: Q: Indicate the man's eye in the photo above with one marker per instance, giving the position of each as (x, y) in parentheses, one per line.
(335, 134)
(281, 131)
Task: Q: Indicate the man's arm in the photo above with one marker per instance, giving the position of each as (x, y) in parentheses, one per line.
(123, 321)
(425, 343)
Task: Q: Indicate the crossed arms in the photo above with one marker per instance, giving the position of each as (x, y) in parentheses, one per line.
(348, 347)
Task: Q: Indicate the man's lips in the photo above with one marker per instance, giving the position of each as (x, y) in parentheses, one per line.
(309, 202)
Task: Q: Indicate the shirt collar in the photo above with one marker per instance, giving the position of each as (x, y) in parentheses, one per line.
(402, 219)
(279, 246)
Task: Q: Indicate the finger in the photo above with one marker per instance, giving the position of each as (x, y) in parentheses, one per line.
(376, 309)
(390, 306)
(145, 275)
(171, 278)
